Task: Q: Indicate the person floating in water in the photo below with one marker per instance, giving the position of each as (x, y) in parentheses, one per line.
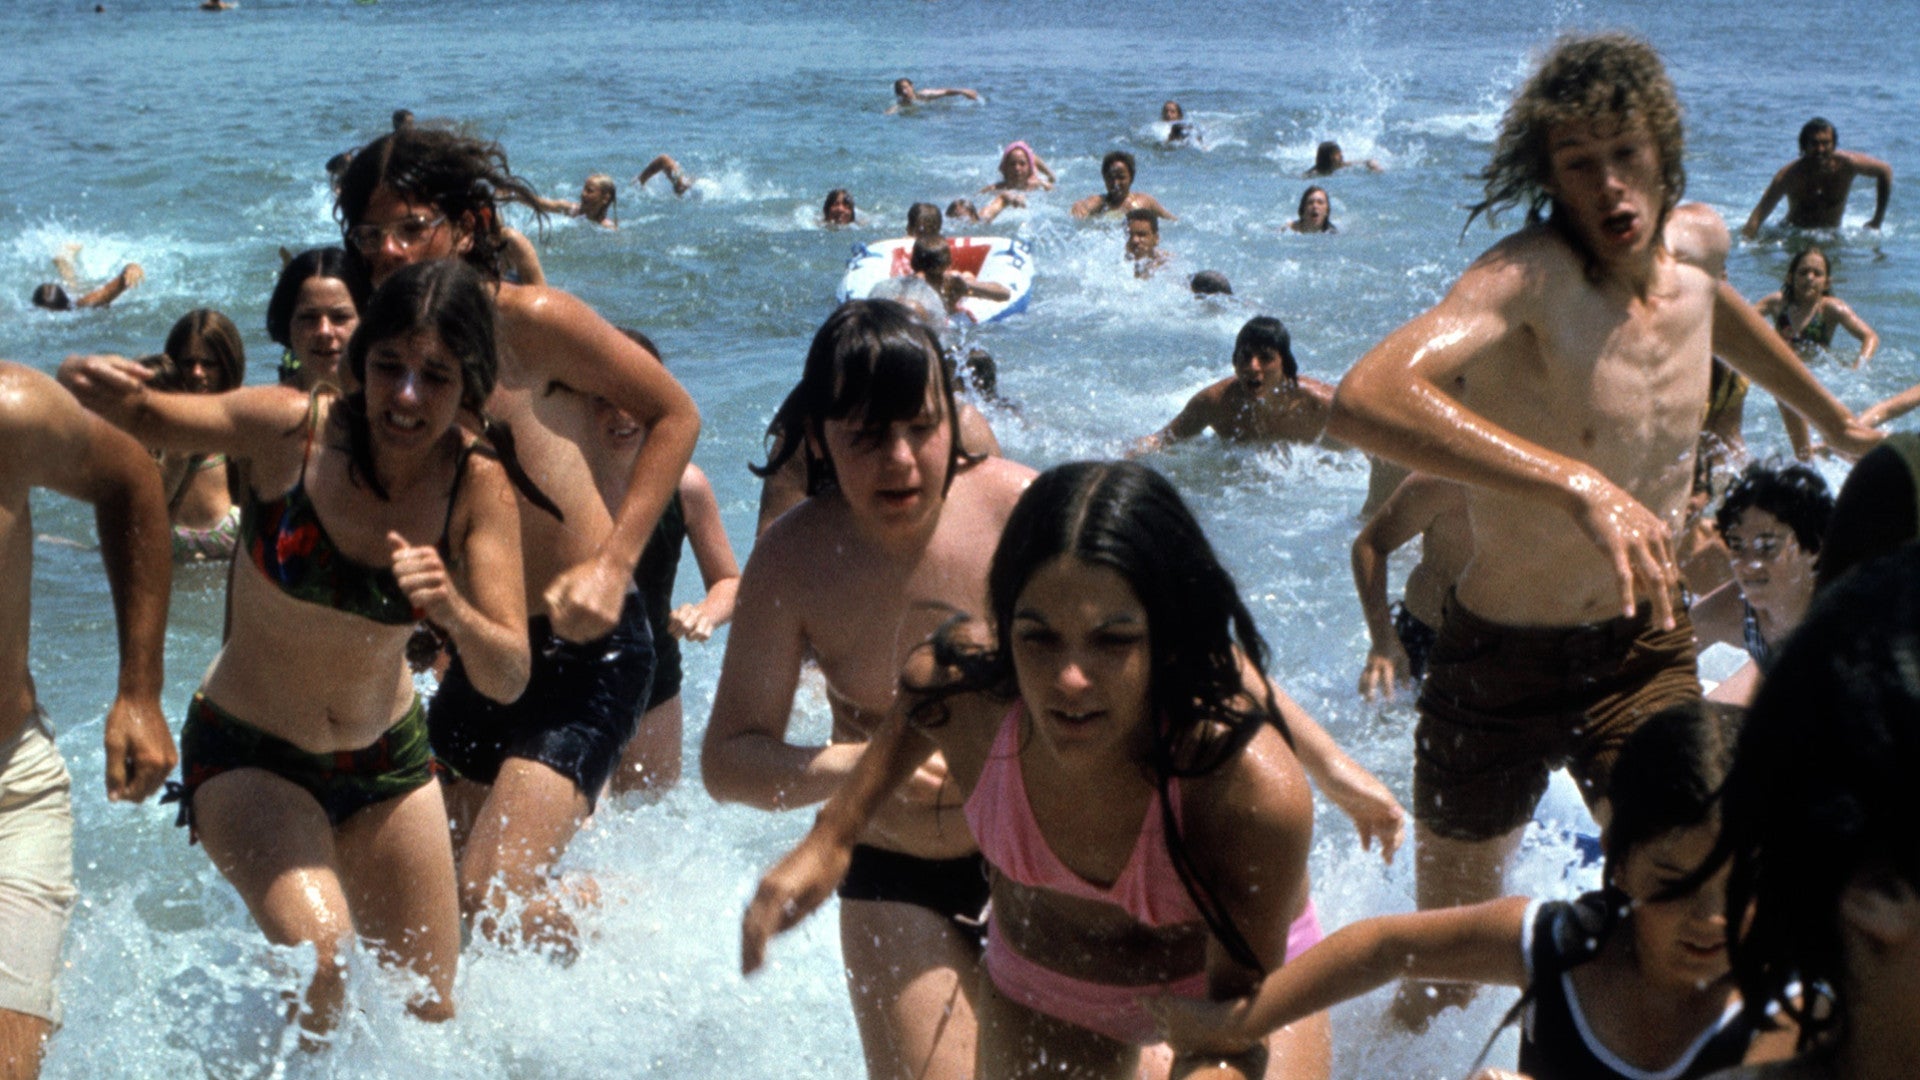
(1143, 248)
(1328, 159)
(906, 96)
(1579, 479)
(1266, 399)
(1118, 169)
(682, 183)
(1816, 183)
(1315, 214)
(53, 296)
(598, 193)
(47, 440)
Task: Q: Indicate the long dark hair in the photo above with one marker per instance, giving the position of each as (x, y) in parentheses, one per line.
(451, 300)
(1128, 518)
(1822, 791)
(1793, 267)
(464, 178)
(871, 359)
(321, 262)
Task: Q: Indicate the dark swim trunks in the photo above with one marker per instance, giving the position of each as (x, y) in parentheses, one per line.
(1416, 639)
(579, 708)
(955, 888)
(344, 782)
(1504, 705)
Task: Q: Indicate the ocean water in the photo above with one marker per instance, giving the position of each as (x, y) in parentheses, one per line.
(193, 144)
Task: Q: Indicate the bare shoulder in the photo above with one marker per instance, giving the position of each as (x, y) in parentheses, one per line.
(39, 421)
(1698, 237)
(997, 481)
(1260, 797)
(1316, 391)
(1518, 266)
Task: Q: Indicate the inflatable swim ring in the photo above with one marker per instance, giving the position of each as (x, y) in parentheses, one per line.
(1003, 260)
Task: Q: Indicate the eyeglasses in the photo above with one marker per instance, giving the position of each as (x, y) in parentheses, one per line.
(406, 232)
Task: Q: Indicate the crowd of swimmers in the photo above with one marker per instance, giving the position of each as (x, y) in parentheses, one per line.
(1069, 818)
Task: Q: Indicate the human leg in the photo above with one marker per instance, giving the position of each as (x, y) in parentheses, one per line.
(530, 815)
(396, 865)
(1016, 1041)
(36, 894)
(651, 759)
(911, 976)
(270, 838)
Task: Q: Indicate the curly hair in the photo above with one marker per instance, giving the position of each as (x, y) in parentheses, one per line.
(1794, 493)
(1615, 78)
(462, 177)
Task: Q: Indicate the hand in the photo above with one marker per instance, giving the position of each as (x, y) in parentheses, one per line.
(423, 577)
(584, 600)
(791, 890)
(102, 382)
(139, 747)
(691, 622)
(1856, 438)
(1386, 666)
(1638, 544)
(1376, 814)
(131, 275)
(1194, 1026)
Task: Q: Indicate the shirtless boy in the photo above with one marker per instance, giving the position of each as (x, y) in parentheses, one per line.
(528, 773)
(1266, 400)
(1143, 248)
(1816, 183)
(932, 262)
(1117, 170)
(1579, 349)
(53, 296)
(48, 440)
(1434, 510)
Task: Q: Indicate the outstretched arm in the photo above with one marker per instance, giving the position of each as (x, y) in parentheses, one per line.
(129, 276)
(1477, 944)
(248, 423)
(1376, 814)
(1768, 200)
(1746, 342)
(1201, 410)
(64, 448)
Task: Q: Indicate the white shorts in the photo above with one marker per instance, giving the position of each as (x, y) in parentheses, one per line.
(36, 869)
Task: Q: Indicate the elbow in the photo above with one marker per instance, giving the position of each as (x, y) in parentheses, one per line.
(505, 679)
(726, 781)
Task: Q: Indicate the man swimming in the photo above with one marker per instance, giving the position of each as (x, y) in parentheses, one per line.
(1118, 170)
(50, 441)
(1816, 183)
(1266, 400)
(53, 296)
(906, 96)
(1562, 379)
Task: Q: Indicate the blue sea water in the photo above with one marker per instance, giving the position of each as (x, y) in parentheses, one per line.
(193, 142)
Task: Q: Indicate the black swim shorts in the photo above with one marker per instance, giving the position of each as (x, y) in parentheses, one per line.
(955, 888)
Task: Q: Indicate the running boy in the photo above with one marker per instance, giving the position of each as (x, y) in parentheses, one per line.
(1562, 379)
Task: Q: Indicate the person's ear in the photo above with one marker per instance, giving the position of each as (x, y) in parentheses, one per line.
(1882, 906)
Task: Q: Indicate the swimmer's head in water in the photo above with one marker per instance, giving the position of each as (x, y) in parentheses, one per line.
(1604, 81)
(1211, 283)
(932, 255)
(838, 207)
(206, 351)
(51, 296)
(598, 193)
(873, 361)
(1172, 111)
(1307, 215)
(1819, 277)
(1812, 130)
(963, 210)
(903, 89)
(463, 178)
(1819, 815)
(1143, 233)
(1264, 335)
(1327, 157)
(1118, 170)
(923, 219)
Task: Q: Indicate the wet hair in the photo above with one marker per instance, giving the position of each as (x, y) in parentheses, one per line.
(601, 182)
(923, 219)
(451, 300)
(1211, 283)
(1121, 156)
(1613, 79)
(1301, 213)
(402, 119)
(1821, 792)
(1127, 518)
(1178, 112)
(217, 334)
(899, 83)
(870, 360)
(327, 262)
(1794, 493)
(963, 210)
(337, 164)
(1877, 510)
(1147, 216)
(1814, 127)
(931, 253)
(1793, 267)
(1266, 334)
(837, 195)
(464, 178)
(51, 296)
(1326, 157)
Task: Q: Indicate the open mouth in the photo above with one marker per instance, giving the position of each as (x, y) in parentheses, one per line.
(1621, 225)
(404, 423)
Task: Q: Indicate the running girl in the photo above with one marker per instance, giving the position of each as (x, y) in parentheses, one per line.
(311, 315)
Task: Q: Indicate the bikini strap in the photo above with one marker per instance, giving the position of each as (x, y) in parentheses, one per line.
(453, 494)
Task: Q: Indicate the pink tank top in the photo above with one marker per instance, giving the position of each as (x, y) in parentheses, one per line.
(1148, 889)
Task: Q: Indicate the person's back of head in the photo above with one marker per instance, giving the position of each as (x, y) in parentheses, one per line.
(1264, 334)
(402, 119)
(51, 296)
(923, 219)
(1819, 808)
(963, 210)
(1211, 283)
(931, 255)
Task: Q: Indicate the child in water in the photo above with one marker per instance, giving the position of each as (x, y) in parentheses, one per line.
(1627, 982)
